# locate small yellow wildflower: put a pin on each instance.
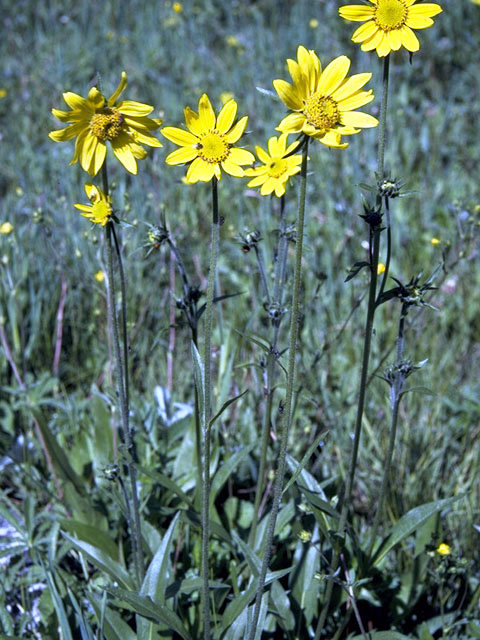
(313, 24)
(207, 145)
(3, 93)
(380, 268)
(323, 103)
(96, 121)
(6, 228)
(100, 276)
(435, 241)
(100, 210)
(389, 24)
(232, 41)
(476, 2)
(177, 7)
(278, 166)
(443, 549)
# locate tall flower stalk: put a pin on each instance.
(207, 146)
(287, 411)
(121, 374)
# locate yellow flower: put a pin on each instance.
(323, 103)
(232, 41)
(313, 24)
(278, 166)
(437, 240)
(6, 228)
(3, 93)
(100, 210)
(443, 549)
(381, 268)
(389, 24)
(177, 7)
(476, 1)
(100, 276)
(96, 121)
(208, 143)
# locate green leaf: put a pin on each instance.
(145, 607)
(199, 377)
(103, 561)
(166, 482)
(92, 535)
(114, 628)
(225, 471)
(156, 578)
(281, 603)
(261, 617)
(410, 523)
(59, 608)
(357, 267)
(384, 635)
(225, 406)
(301, 465)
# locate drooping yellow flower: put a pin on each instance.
(380, 268)
(100, 210)
(96, 121)
(443, 549)
(208, 143)
(324, 102)
(389, 24)
(278, 166)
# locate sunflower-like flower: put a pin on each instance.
(278, 166)
(389, 24)
(324, 102)
(96, 121)
(207, 145)
(100, 211)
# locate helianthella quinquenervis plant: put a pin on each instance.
(278, 164)
(323, 107)
(389, 25)
(207, 147)
(126, 125)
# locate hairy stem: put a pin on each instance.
(287, 412)
(208, 408)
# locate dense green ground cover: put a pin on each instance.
(50, 298)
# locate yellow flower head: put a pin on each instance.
(278, 166)
(476, 1)
(3, 93)
(100, 210)
(6, 228)
(389, 24)
(323, 102)
(381, 268)
(443, 549)
(100, 276)
(96, 121)
(435, 241)
(207, 144)
(177, 7)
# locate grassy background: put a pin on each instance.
(171, 59)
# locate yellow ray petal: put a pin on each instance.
(181, 156)
(333, 74)
(365, 31)
(351, 85)
(356, 100)
(179, 136)
(122, 151)
(356, 13)
(132, 108)
(358, 119)
(200, 170)
(116, 94)
(236, 132)
(241, 156)
(206, 113)
(409, 39)
(288, 95)
(233, 169)
(226, 116)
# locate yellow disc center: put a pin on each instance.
(107, 124)
(390, 14)
(213, 147)
(276, 167)
(322, 112)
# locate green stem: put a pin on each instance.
(121, 377)
(374, 253)
(208, 408)
(270, 371)
(395, 396)
(287, 412)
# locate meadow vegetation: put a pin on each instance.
(67, 555)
